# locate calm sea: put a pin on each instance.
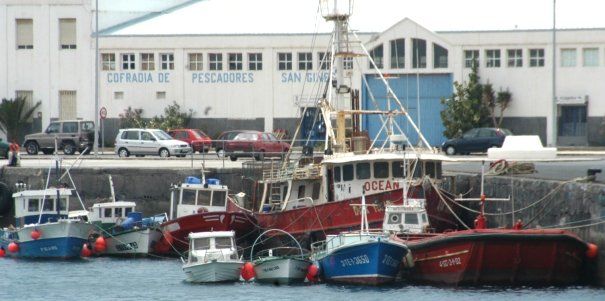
(162, 279)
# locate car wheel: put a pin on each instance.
(233, 158)
(69, 148)
(164, 153)
(123, 153)
(220, 153)
(31, 148)
(450, 150)
(260, 156)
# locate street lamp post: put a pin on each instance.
(554, 73)
(96, 113)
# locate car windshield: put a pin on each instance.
(161, 135)
(199, 134)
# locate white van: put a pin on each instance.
(141, 142)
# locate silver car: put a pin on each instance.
(141, 142)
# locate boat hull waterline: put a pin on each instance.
(281, 270)
(214, 271)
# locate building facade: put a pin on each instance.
(265, 80)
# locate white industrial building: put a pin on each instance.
(248, 76)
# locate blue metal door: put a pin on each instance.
(411, 89)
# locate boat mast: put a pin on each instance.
(58, 201)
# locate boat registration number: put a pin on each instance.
(390, 261)
(450, 262)
(356, 260)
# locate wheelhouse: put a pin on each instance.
(111, 212)
(41, 206)
(209, 246)
(196, 196)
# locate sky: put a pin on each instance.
(298, 16)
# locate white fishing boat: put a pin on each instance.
(280, 265)
(213, 257)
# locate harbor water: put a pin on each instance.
(163, 279)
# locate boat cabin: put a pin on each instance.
(196, 196)
(111, 212)
(212, 246)
(409, 218)
(32, 206)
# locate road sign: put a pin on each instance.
(103, 113)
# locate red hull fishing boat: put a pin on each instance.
(202, 207)
(312, 196)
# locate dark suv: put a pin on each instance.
(475, 140)
(72, 136)
(249, 144)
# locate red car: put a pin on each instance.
(198, 140)
(249, 144)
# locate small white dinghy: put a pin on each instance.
(212, 257)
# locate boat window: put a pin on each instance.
(33, 205)
(336, 173)
(49, 205)
(222, 242)
(127, 210)
(438, 170)
(201, 244)
(411, 218)
(316, 187)
(301, 191)
(397, 169)
(429, 169)
(381, 170)
(107, 212)
(424, 218)
(347, 172)
(363, 171)
(417, 168)
(203, 197)
(62, 204)
(188, 197)
(218, 198)
(119, 212)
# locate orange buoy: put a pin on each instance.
(313, 273)
(86, 251)
(100, 245)
(592, 251)
(13, 247)
(35, 234)
(248, 271)
(2, 252)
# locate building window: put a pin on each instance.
(128, 61)
(398, 54)
(590, 57)
(67, 105)
(305, 61)
(108, 61)
(29, 98)
(117, 95)
(284, 61)
(147, 61)
(25, 33)
(514, 57)
(215, 61)
(471, 57)
(439, 56)
(255, 61)
(67, 33)
(492, 58)
(377, 54)
(324, 60)
(160, 95)
(167, 61)
(418, 53)
(196, 61)
(235, 61)
(347, 63)
(568, 57)
(536, 57)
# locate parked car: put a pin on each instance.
(255, 144)
(141, 142)
(198, 140)
(72, 136)
(476, 140)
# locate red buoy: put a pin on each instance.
(592, 251)
(100, 245)
(13, 247)
(86, 251)
(248, 271)
(35, 234)
(313, 273)
(2, 252)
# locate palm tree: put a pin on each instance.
(14, 115)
